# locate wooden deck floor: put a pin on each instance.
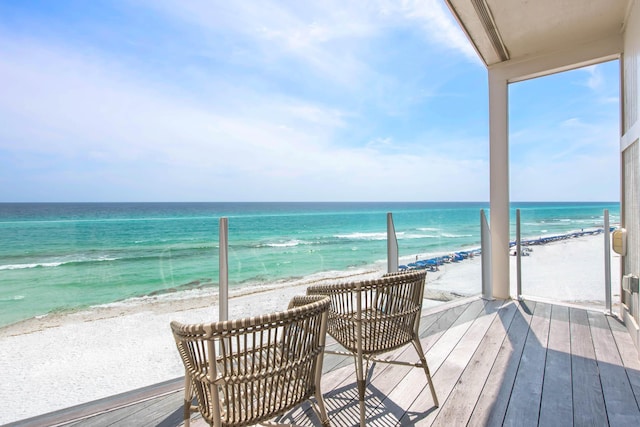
(493, 363)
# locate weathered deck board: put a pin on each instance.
(448, 373)
(629, 356)
(341, 400)
(406, 391)
(493, 363)
(141, 410)
(492, 403)
(125, 405)
(556, 407)
(462, 399)
(524, 404)
(588, 401)
(384, 379)
(618, 395)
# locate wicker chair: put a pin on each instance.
(250, 370)
(372, 317)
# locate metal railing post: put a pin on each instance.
(607, 262)
(224, 269)
(392, 245)
(518, 256)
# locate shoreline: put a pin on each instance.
(210, 292)
(173, 302)
(85, 350)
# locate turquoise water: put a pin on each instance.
(56, 257)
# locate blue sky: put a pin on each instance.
(167, 100)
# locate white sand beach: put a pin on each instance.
(79, 357)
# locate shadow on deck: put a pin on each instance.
(493, 363)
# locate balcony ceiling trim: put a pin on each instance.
(516, 30)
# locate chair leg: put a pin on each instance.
(187, 400)
(362, 385)
(423, 361)
(322, 410)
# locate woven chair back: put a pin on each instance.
(388, 308)
(250, 370)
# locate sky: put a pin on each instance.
(207, 100)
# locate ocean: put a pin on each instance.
(67, 256)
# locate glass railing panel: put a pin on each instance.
(64, 257)
(132, 268)
(60, 257)
(563, 252)
(301, 244)
(445, 240)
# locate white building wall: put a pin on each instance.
(631, 70)
(630, 152)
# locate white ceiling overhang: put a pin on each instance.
(508, 31)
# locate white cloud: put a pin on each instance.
(439, 26)
(595, 79)
(564, 179)
(323, 36)
(332, 37)
(88, 128)
(84, 124)
(568, 160)
(218, 114)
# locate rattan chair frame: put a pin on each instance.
(371, 317)
(247, 371)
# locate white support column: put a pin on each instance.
(499, 183)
